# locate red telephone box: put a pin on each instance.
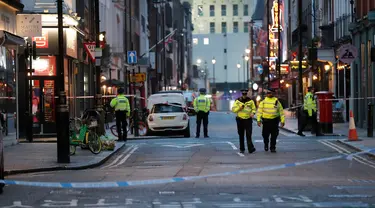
(324, 114)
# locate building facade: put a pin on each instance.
(221, 33)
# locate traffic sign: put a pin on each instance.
(260, 69)
(347, 53)
(132, 57)
(138, 77)
(90, 49)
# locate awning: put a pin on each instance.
(10, 40)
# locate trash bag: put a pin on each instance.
(108, 142)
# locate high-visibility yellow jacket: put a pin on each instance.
(270, 108)
(202, 103)
(309, 103)
(248, 110)
(121, 103)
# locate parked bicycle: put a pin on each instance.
(142, 127)
(82, 133)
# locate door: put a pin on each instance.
(43, 107)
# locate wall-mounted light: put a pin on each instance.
(315, 77)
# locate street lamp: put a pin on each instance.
(199, 61)
(213, 70)
(238, 67)
(247, 50)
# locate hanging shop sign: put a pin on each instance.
(276, 17)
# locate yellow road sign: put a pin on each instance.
(138, 77)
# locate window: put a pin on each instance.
(245, 27)
(195, 41)
(164, 108)
(225, 50)
(223, 27)
(206, 41)
(235, 27)
(225, 66)
(212, 10)
(235, 10)
(245, 10)
(212, 27)
(223, 10)
(200, 10)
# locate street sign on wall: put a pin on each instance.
(347, 53)
(138, 77)
(132, 57)
(90, 49)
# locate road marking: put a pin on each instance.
(126, 157)
(351, 196)
(237, 199)
(261, 141)
(361, 181)
(117, 158)
(354, 187)
(232, 145)
(17, 204)
(240, 154)
(183, 146)
(166, 192)
(341, 204)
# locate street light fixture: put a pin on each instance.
(247, 50)
(238, 67)
(199, 61)
(213, 60)
(213, 69)
(247, 58)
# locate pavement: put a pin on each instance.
(208, 172)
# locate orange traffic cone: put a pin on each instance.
(353, 136)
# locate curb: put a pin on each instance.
(59, 168)
(356, 148)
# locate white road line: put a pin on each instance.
(232, 145)
(117, 158)
(240, 154)
(330, 146)
(126, 157)
(351, 196)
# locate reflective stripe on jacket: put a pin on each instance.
(202, 103)
(121, 103)
(247, 111)
(270, 108)
(309, 103)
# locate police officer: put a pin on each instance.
(270, 113)
(202, 106)
(122, 110)
(309, 111)
(245, 109)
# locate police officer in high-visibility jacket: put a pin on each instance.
(309, 111)
(202, 106)
(245, 109)
(270, 113)
(122, 110)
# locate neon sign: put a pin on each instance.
(276, 16)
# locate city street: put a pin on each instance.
(268, 179)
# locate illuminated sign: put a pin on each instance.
(42, 42)
(276, 17)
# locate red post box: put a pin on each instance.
(324, 114)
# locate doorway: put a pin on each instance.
(43, 107)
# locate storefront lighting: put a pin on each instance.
(327, 67)
(230, 91)
(104, 86)
(103, 78)
(287, 85)
(282, 81)
(315, 77)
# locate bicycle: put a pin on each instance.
(142, 128)
(86, 136)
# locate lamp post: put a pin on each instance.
(213, 70)
(239, 67)
(250, 51)
(247, 68)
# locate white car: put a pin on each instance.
(168, 117)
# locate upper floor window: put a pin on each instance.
(235, 27)
(200, 10)
(212, 10)
(235, 10)
(223, 10)
(212, 27)
(245, 10)
(223, 27)
(245, 27)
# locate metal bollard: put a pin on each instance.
(370, 120)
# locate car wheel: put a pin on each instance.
(187, 131)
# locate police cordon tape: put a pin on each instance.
(117, 184)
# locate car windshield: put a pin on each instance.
(167, 108)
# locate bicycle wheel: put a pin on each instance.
(72, 150)
(114, 130)
(94, 143)
(142, 129)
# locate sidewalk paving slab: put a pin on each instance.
(41, 157)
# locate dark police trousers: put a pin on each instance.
(270, 127)
(121, 124)
(245, 126)
(309, 119)
(202, 116)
